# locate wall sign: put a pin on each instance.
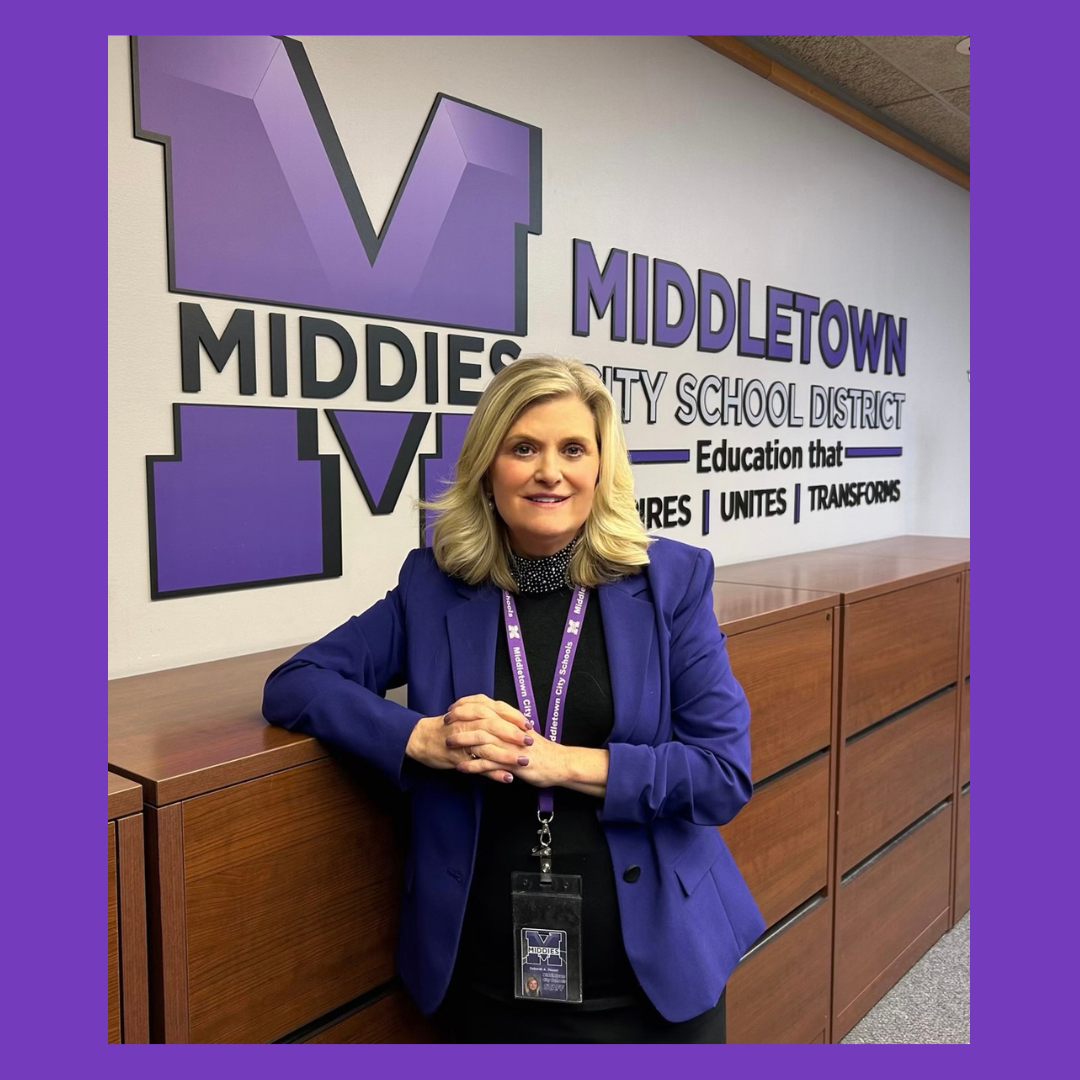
(262, 207)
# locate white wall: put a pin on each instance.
(654, 145)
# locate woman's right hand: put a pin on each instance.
(476, 735)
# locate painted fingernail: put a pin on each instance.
(508, 778)
(446, 719)
(523, 761)
(450, 742)
(529, 724)
(528, 740)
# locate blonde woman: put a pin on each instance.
(572, 739)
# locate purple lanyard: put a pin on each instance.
(519, 664)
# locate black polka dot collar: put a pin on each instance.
(544, 574)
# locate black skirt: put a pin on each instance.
(468, 1016)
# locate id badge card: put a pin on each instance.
(547, 936)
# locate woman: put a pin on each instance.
(631, 753)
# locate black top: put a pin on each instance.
(508, 822)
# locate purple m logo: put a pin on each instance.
(263, 205)
(544, 947)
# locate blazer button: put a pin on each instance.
(631, 874)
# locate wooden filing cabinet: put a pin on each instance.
(273, 873)
(128, 996)
(782, 646)
(900, 605)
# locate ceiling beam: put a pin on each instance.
(769, 69)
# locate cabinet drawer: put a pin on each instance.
(786, 670)
(291, 886)
(898, 648)
(780, 839)
(780, 992)
(888, 913)
(967, 624)
(893, 775)
(965, 734)
(392, 1019)
(962, 902)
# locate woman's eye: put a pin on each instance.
(574, 450)
(522, 450)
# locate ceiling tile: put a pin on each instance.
(930, 60)
(961, 98)
(851, 65)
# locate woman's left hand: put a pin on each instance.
(548, 764)
(555, 765)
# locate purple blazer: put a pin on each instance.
(679, 762)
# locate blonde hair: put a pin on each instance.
(469, 540)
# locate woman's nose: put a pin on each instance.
(547, 468)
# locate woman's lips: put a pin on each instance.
(546, 500)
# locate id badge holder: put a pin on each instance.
(547, 936)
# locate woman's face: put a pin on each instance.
(544, 475)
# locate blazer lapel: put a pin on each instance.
(471, 627)
(630, 636)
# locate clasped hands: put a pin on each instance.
(485, 737)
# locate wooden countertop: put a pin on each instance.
(949, 548)
(190, 730)
(125, 796)
(740, 607)
(854, 576)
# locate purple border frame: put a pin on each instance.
(1018, 190)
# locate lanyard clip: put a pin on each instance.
(543, 849)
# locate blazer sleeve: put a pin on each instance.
(333, 689)
(703, 774)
